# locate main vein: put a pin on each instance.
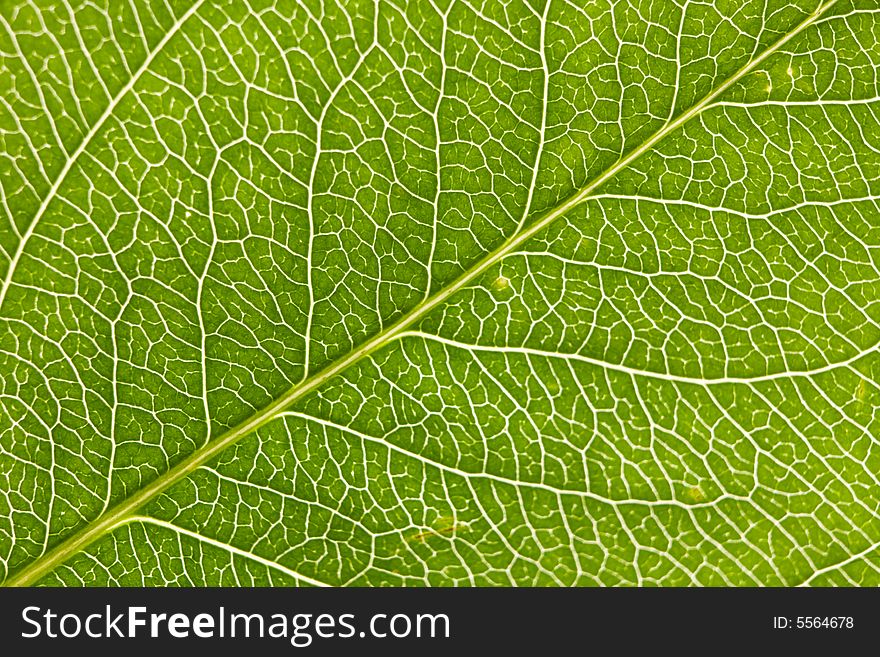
(122, 512)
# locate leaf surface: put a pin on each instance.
(439, 292)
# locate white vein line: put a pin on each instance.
(633, 371)
(514, 483)
(820, 103)
(438, 144)
(719, 209)
(542, 130)
(108, 111)
(223, 546)
(840, 564)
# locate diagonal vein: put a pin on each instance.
(84, 144)
(231, 549)
(123, 511)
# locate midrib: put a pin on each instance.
(126, 508)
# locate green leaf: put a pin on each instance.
(440, 292)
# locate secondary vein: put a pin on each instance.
(83, 145)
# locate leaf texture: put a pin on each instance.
(440, 292)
